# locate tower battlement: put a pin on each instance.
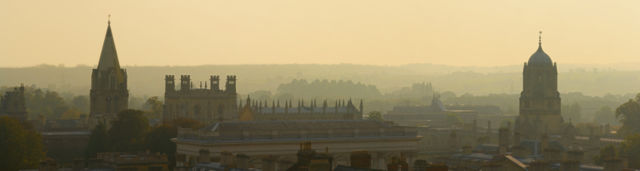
(204, 101)
(203, 87)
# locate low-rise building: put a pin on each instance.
(276, 142)
(127, 161)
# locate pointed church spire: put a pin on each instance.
(108, 56)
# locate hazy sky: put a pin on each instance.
(380, 32)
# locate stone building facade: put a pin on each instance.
(109, 94)
(205, 104)
(12, 104)
(540, 99)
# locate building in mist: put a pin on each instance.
(209, 103)
(109, 93)
(434, 115)
(510, 151)
(12, 104)
(206, 104)
(540, 99)
(276, 142)
(261, 110)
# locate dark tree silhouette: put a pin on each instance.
(20, 145)
(98, 141)
(629, 115)
(159, 138)
(128, 131)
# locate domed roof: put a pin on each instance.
(539, 57)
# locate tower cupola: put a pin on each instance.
(540, 57)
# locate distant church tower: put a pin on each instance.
(109, 94)
(540, 99)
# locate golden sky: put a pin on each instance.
(379, 32)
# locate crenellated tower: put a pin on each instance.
(231, 84)
(215, 83)
(204, 103)
(169, 83)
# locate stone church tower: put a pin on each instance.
(109, 94)
(540, 99)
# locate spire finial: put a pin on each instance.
(109, 19)
(540, 38)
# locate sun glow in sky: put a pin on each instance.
(378, 32)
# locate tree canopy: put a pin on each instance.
(631, 150)
(605, 115)
(20, 145)
(153, 107)
(127, 132)
(629, 115)
(130, 132)
(98, 141)
(375, 115)
(159, 138)
(606, 153)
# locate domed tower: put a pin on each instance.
(540, 99)
(109, 93)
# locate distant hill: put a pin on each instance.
(149, 80)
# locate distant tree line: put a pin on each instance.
(577, 107)
(326, 88)
(52, 105)
(628, 114)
